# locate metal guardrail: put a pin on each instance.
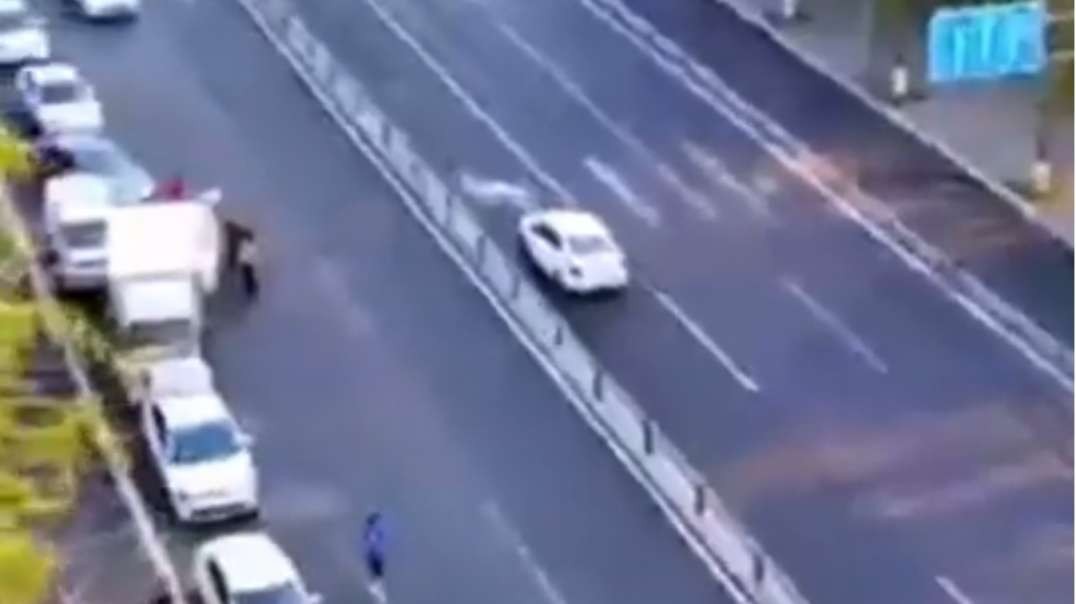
(637, 440)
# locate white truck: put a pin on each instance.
(163, 260)
(76, 213)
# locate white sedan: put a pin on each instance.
(574, 249)
(22, 34)
(108, 9)
(202, 457)
(247, 568)
(57, 99)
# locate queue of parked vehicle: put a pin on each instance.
(107, 227)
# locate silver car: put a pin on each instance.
(22, 34)
(97, 156)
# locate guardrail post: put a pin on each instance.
(598, 386)
(516, 285)
(386, 135)
(450, 201)
(480, 251)
(700, 499)
(648, 436)
(558, 334)
(758, 569)
(899, 79)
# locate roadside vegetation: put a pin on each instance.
(49, 438)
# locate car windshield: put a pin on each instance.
(99, 158)
(84, 234)
(175, 334)
(281, 594)
(13, 21)
(589, 244)
(61, 92)
(204, 442)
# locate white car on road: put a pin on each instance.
(247, 568)
(22, 34)
(202, 457)
(575, 249)
(57, 99)
(108, 9)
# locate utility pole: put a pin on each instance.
(1059, 44)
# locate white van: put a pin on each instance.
(163, 259)
(76, 213)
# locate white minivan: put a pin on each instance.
(77, 207)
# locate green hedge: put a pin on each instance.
(26, 570)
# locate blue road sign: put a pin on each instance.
(986, 42)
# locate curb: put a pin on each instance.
(897, 118)
(148, 538)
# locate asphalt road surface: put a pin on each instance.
(371, 374)
(882, 444)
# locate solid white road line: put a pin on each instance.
(693, 198)
(833, 322)
(504, 528)
(950, 588)
(468, 101)
(746, 381)
(606, 175)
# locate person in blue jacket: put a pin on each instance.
(373, 543)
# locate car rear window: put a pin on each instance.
(84, 234)
(61, 92)
(590, 244)
(12, 21)
(99, 159)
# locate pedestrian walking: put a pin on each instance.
(248, 259)
(373, 545)
(234, 232)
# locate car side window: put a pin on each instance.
(547, 234)
(220, 586)
(26, 84)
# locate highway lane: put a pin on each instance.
(370, 373)
(869, 377)
(958, 214)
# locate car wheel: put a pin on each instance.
(168, 507)
(558, 278)
(527, 260)
(253, 515)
